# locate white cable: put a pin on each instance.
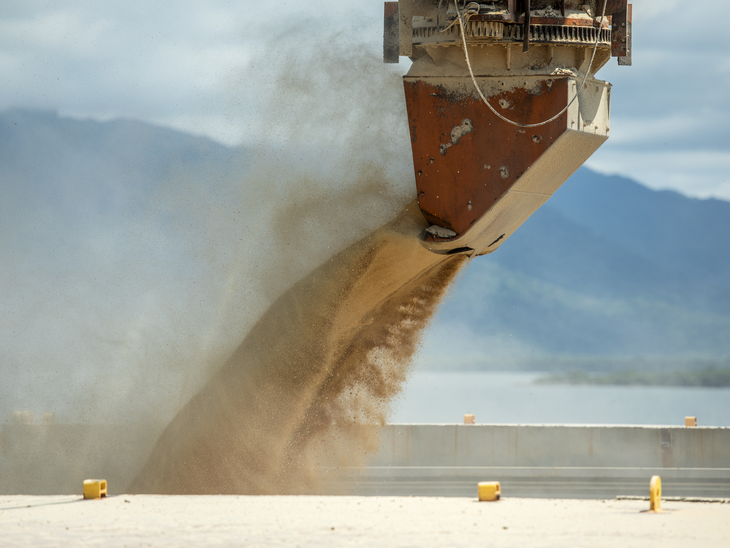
(473, 79)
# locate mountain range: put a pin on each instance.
(608, 274)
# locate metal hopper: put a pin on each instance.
(503, 105)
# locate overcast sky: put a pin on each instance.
(198, 66)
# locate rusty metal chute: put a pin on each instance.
(503, 105)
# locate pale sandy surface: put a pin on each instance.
(148, 520)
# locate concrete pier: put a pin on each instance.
(581, 461)
(563, 461)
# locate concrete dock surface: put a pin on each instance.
(152, 520)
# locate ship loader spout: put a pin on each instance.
(503, 106)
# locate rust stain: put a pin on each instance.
(454, 188)
(620, 20)
(391, 8)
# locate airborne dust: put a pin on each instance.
(303, 245)
(302, 395)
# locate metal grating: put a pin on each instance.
(425, 32)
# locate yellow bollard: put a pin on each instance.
(655, 494)
(690, 421)
(470, 419)
(489, 490)
(94, 488)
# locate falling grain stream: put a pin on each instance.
(303, 394)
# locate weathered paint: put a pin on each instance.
(479, 177)
(619, 32)
(391, 39)
(451, 177)
(627, 59)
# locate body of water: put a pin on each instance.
(512, 398)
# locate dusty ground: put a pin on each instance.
(152, 520)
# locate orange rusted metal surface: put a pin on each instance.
(466, 158)
(391, 8)
(480, 173)
(619, 12)
(621, 32)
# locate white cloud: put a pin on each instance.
(699, 173)
(9, 63)
(637, 131)
(670, 110)
(724, 65)
(204, 67)
(153, 60)
(649, 10)
(73, 33)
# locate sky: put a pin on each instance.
(203, 67)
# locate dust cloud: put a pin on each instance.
(302, 243)
(301, 395)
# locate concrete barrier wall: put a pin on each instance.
(417, 459)
(559, 445)
(548, 460)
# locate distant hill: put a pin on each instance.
(607, 274)
(42, 150)
(110, 269)
(680, 234)
(65, 182)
